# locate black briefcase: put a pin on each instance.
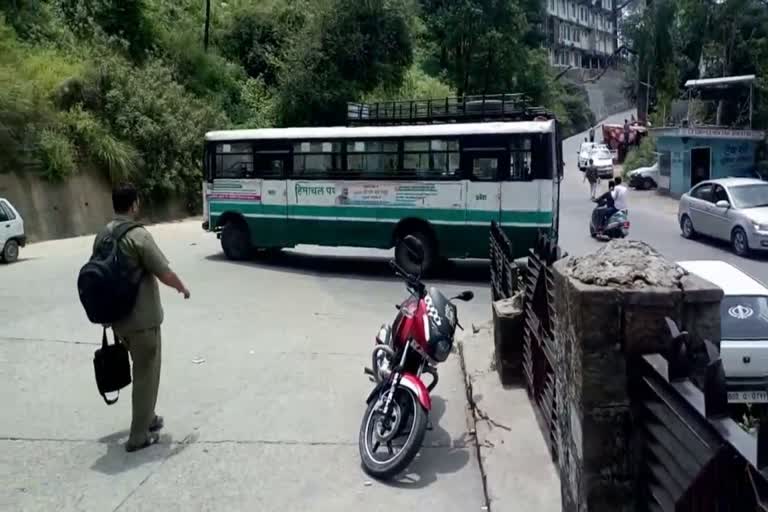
(112, 367)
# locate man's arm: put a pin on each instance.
(169, 278)
(155, 262)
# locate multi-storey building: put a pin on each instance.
(580, 33)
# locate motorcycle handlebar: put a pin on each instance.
(409, 278)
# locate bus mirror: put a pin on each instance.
(415, 249)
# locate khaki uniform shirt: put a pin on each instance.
(141, 250)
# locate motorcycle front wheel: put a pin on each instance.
(388, 443)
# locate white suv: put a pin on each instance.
(11, 232)
(743, 329)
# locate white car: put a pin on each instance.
(644, 178)
(743, 328)
(584, 151)
(11, 232)
(602, 159)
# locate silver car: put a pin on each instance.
(731, 209)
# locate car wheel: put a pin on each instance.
(647, 184)
(686, 226)
(740, 242)
(11, 251)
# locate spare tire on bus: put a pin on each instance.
(236, 240)
(403, 255)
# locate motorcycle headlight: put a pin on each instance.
(441, 349)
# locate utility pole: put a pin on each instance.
(207, 24)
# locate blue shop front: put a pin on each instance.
(690, 155)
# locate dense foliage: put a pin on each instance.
(126, 87)
(679, 40)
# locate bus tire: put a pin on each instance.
(402, 256)
(236, 241)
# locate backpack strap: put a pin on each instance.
(122, 229)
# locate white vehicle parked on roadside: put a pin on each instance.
(644, 178)
(11, 232)
(743, 327)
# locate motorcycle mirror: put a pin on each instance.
(465, 296)
(415, 249)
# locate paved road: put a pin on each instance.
(653, 220)
(268, 422)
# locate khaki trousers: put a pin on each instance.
(144, 347)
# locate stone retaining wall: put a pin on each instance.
(610, 306)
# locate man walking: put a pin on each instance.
(140, 330)
(591, 134)
(591, 176)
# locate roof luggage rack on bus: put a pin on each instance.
(465, 109)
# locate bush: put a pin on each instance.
(641, 156)
(165, 123)
(57, 154)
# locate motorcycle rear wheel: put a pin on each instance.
(408, 419)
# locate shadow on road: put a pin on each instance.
(440, 454)
(359, 267)
(717, 243)
(116, 460)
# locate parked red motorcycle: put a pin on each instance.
(421, 336)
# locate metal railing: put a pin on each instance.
(505, 275)
(692, 456)
(539, 343)
(496, 107)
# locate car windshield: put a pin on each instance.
(601, 154)
(750, 196)
(744, 317)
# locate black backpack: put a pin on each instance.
(108, 283)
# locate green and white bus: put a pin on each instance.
(371, 186)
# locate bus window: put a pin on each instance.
(432, 159)
(372, 159)
(520, 159)
(209, 152)
(542, 157)
(316, 159)
(485, 167)
(234, 160)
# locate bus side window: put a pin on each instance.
(542, 158)
(520, 156)
(234, 160)
(319, 160)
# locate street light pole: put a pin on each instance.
(207, 24)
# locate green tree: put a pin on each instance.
(347, 50)
(480, 42)
(256, 36)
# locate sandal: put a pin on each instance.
(152, 438)
(157, 424)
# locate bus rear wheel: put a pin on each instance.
(236, 241)
(403, 256)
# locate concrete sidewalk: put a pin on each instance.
(517, 469)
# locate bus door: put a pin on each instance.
(271, 164)
(484, 161)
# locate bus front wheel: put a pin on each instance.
(236, 241)
(403, 256)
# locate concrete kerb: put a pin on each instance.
(517, 470)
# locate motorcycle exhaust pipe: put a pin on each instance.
(378, 374)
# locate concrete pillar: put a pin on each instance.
(609, 306)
